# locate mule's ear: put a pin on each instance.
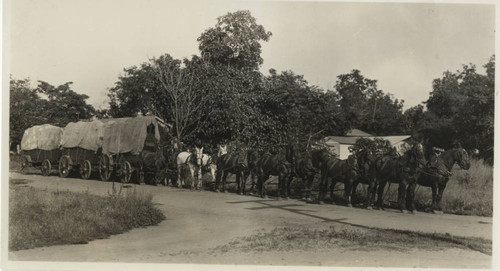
(201, 149)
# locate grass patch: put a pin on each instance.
(15, 161)
(13, 182)
(351, 237)
(44, 218)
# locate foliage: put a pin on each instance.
(231, 106)
(43, 218)
(302, 111)
(132, 92)
(64, 105)
(460, 108)
(266, 113)
(26, 110)
(44, 104)
(166, 87)
(234, 41)
(367, 107)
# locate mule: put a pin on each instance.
(205, 163)
(252, 159)
(403, 170)
(187, 159)
(436, 174)
(364, 161)
(344, 171)
(303, 168)
(276, 165)
(221, 150)
(235, 163)
(319, 157)
(195, 161)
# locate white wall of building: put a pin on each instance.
(344, 151)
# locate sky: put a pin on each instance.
(404, 46)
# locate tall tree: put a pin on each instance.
(234, 41)
(166, 87)
(26, 110)
(301, 111)
(463, 104)
(64, 105)
(366, 107)
(46, 104)
(181, 88)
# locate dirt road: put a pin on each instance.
(198, 221)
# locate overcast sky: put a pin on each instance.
(403, 46)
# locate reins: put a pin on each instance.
(422, 171)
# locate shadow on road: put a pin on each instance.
(287, 207)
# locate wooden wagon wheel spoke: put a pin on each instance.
(105, 167)
(46, 167)
(64, 166)
(126, 172)
(86, 169)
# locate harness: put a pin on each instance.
(237, 164)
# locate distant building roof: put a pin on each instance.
(395, 139)
(357, 133)
(350, 140)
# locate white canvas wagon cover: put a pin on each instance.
(124, 135)
(44, 137)
(83, 134)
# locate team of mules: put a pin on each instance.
(366, 166)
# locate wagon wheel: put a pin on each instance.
(64, 166)
(126, 172)
(46, 167)
(24, 164)
(86, 169)
(105, 167)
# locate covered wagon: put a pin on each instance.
(81, 147)
(130, 149)
(40, 147)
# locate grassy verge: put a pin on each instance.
(351, 237)
(44, 218)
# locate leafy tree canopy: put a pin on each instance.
(368, 108)
(234, 41)
(461, 109)
(59, 106)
